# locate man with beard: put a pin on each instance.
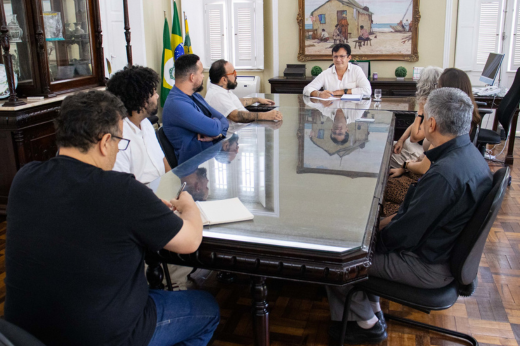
(136, 86)
(223, 78)
(190, 123)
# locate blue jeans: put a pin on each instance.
(186, 318)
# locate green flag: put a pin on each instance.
(177, 46)
(167, 68)
(187, 40)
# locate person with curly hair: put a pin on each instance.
(136, 86)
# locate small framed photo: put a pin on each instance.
(365, 66)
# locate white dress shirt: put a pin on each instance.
(352, 110)
(144, 157)
(354, 79)
(224, 101)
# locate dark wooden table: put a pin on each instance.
(316, 203)
(388, 86)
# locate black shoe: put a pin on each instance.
(381, 317)
(356, 335)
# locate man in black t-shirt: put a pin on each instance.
(76, 239)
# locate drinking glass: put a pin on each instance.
(377, 94)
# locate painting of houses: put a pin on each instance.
(375, 29)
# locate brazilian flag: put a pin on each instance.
(167, 68)
(187, 40)
(177, 45)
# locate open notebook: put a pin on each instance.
(223, 211)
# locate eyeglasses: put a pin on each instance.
(123, 143)
(339, 57)
(234, 73)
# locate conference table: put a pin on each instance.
(315, 200)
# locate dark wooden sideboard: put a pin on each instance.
(388, 86)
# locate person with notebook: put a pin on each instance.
(190, 123)
(341, 78)
(136, 86)
(223, 80)
(81, 230)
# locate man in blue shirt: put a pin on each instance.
(190, 124)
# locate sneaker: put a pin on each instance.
(381, 317)
(356, 335)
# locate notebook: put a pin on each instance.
(223, 211)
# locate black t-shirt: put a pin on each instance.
(76, 239)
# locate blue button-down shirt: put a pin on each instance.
(436, 210)
(183, 120)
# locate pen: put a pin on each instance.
(180, 190)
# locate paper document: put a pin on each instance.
(223, 211)
(329, 99)
(350, 97)
(366, 120)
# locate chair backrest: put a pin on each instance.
(466, 254)
(154, 119)
(509, 104)
(167, 148)
(11, 335)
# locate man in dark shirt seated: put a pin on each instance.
(189, 122)
(76, 239)
(414, 245)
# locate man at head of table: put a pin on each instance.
(342, 78)
(190, 123)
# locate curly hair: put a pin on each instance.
(85, 117)
(134, 85)
(427, 83)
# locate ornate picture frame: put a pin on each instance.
(324, 23)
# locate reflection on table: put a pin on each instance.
(262, 166)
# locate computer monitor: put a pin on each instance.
(491, 69)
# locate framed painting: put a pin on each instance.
(374, 29)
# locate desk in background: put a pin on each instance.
(316, 203)
(388, 86)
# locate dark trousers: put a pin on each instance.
(403, 267)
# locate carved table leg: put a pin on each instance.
(260, 313)
(154, 273)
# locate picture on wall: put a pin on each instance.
(374, 29)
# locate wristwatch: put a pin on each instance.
(345, 91)
(404, 166)
(422, 117)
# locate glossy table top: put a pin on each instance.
(305, 190)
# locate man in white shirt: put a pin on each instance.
(223, 79)
(342, 78)
(136, 87)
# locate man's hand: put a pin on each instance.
(185, 201)
(204, 138)
(325, 94)
(396, 172)
(265, 101)
(168, 204)
(398, 147)
(273, 125)
(273, 115)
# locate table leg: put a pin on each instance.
(260, 313)
(509, 157)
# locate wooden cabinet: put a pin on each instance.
(50, 48)
(53, 46)
(388, 86)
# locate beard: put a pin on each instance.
(199, 88)
(230, 85)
